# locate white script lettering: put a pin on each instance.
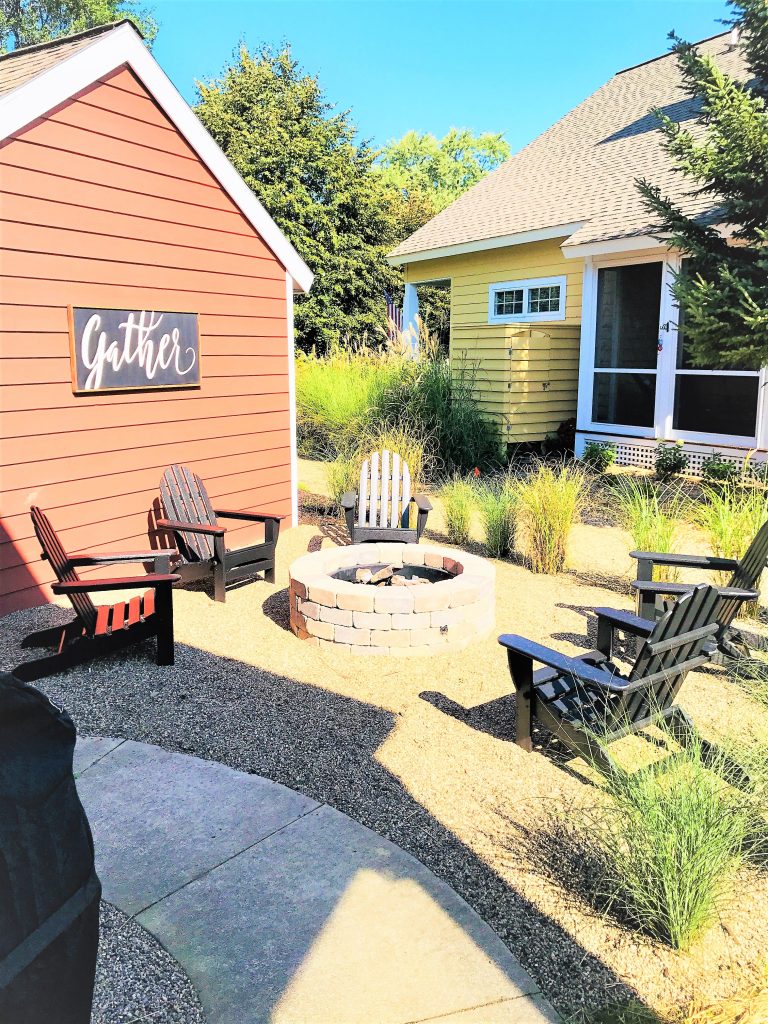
(137, 345)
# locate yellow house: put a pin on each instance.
(560, 293)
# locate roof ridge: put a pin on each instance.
(670, 53)
(60, 40)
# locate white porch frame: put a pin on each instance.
(665, 370)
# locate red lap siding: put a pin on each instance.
(103, 203)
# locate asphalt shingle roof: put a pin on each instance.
(19, 66)
(582, 169)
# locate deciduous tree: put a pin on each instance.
(25, 22)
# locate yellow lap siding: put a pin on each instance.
(525, 375)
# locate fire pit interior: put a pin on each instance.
(391, 598)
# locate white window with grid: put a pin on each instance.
(527, 301)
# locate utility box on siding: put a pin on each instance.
(145, 308)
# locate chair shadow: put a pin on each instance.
(607, 581)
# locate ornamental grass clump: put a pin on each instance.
(652, 516)
(549, 504)
(731, 515)
(496, 501)
(669, 842)
(458, 498)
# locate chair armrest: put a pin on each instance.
(676, 589)
(172, 524)
(422, 502)
(132, 556)
(348, 499)
(257, 517)
(151, 580)
(573, 666)
(710, 562)
(625, 621)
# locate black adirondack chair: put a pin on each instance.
(99, 628)
(383, 502)
(587, 702)
(194, 524)
(741, 587)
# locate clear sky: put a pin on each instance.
(513, 66)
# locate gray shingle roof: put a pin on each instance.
(582, 170)
(19, 66)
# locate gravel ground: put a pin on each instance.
(137, 980)
(420, 751)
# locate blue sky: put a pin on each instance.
(490, 65)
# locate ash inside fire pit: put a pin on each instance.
(382, 575)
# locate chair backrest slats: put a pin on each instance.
(384, 493)
(61, 565)
(747, 574)
(185, 499)
(677, 642)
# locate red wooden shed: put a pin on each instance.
(145, 308)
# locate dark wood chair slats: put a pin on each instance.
(742, 586)
(588, 701)
(97, 627)
(194, 523)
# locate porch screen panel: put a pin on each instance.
(626, 344)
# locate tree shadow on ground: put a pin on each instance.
(325, 746)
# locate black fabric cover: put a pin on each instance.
(49, 893)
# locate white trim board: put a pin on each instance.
(292, 401)
(124, 47)
(500, 242)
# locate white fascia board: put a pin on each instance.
(124, 46)
(638, 243)
(499, 242)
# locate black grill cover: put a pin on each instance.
(49, 892)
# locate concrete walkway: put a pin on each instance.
(282, 910)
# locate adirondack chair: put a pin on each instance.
(587, 702)
(98, 628)
(741, 587)
(200, 539)
(384, 502)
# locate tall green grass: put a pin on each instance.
(346, 393)
(666, 846)
(549, 502)
(731, 515)
(496, 502)
(458, 498)
(343, 473)
(653, 518)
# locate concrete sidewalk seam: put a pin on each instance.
(98, 760)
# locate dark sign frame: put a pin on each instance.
(177, 335)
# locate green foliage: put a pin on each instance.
(317, 182)
(598, 457)
(731, 515)
(652, 517)
(426, 174)
(717, 469)
(670, 841)
(458, 498)
(26, 22)
(751, 675)
(347, 394)
(549, 503)
(724, 156)
(670, 459)
(497, 500)
(341, 475)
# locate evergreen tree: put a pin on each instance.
(316, 181)
(724, 296)
(26, 22)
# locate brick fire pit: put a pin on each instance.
(444, 599)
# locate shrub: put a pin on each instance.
(652, 519)
(669, 841)
(549, 503)
(598, 457)
(458, 498)
(670, 460)
(718, 469)
(496, 501)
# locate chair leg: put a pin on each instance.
(164, 612)
(521, 670)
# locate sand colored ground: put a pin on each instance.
(422, 751)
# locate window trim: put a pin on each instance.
(526, 285)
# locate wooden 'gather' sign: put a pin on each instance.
(128, 349)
